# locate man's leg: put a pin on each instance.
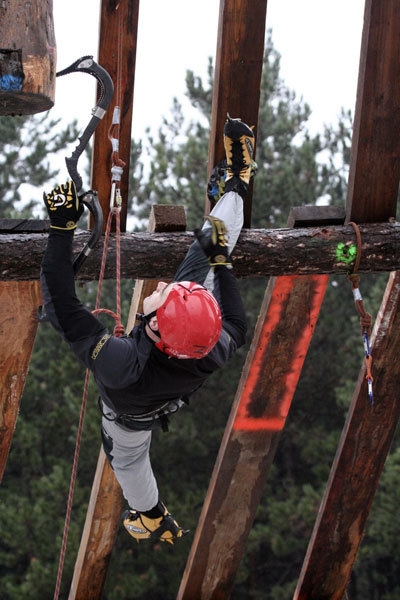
(128, 453)
(195, 266)
(239, 146)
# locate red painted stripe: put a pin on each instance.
(276, 415)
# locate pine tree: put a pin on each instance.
(28, 147)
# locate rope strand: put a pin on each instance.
(365, 317)
(118, 332)
(116, 174)
(72, 487)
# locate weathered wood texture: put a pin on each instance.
(99, 533)
(281, 339)
(117, 54)
(19, 302)
(237, 76)
(259, 252)
(375, 153)
(105, 506)
(372, 196)
(27, 57)
(361, 455)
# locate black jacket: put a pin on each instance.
(132, 375)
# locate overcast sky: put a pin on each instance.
(319, 42)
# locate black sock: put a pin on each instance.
(155, 512)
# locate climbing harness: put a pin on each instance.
(365, 318)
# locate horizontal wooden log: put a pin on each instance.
(259, 252)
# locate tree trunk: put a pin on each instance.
(259, 252)
(27, 57)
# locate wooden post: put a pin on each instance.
(270, 375)
(117, 54)
(19, 301)
(237, 79)
(27, 57)
(364, 445)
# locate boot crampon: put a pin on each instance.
(234, 172)
(163, 528)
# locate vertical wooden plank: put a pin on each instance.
(361, 455)
(117, 54)
(19, 301)
(99, 534)
(369, 429)
(238, 70)
(283, 333)
(375, 153)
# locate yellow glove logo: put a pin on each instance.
(58, 201)
(62, 196)
(63, 206)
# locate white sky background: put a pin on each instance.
(319, 42)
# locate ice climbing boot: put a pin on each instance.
(163, 528)
(239, 148)
(216, 182)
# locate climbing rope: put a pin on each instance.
(71, 488)
(118, 332)
(119, 328)
(365, 318)
(115, 207)
(118, 164)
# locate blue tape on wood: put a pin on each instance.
(10, 83)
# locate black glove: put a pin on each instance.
(63, 206)
(213, 240)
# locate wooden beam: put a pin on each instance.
(99, 534)
(104, 512)
(361, 455)
(117, 54)
(280, 344)
(375, 154)
(284, 330)
(237, 76)
(19, 302)
(259, 252)
(372, 196)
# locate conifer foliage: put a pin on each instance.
(294, 168)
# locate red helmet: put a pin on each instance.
(189, 321)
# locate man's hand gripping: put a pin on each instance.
(64, 206)
(214, 242)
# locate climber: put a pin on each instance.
(189, 328)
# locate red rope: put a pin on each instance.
(117, 169)
(365, 317)
(118, 332)
(72, 487)
(113, 134)
(114, 212)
